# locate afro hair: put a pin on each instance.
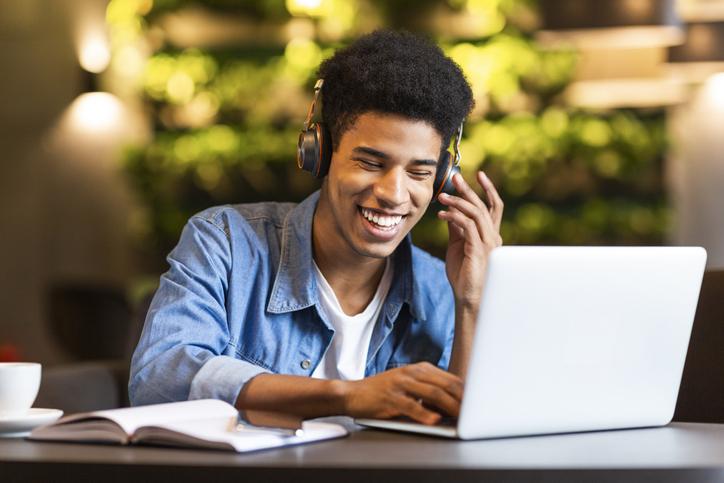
(394, 73)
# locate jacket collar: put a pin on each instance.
(295, 287)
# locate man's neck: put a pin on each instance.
(353, 277)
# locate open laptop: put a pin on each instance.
(576, 339)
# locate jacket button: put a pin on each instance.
(306, 364)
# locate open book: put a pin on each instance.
(203, 423)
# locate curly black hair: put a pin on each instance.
(394, 73)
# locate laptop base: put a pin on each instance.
(443, 431)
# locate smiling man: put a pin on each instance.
(326, 307)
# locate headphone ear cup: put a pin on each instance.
(446, 169)
(325, 149)
(307, 150)
(314, 151)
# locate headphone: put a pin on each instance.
(314, 151)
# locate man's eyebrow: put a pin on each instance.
(383, 155)
(371, 152)
(424, 162)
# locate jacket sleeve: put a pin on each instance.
(448, 329)
(444, 361)
(179, 354)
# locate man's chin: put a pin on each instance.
(367, 245)
(377, 250)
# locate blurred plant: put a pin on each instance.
(226, 117)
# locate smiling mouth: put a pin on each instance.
(381, 221)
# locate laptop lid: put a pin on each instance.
(580, 338)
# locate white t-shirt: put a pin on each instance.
(347, 354)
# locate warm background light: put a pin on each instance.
(620, 37)
(95, 112)
(94, 55)
(305, 7)
(90, 35)
(642, 93)
(714, 90)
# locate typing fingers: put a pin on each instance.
(435, 396)
(413, 408)
(430, 374)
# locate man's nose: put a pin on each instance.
(391, 188)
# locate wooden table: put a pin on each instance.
(680, 452)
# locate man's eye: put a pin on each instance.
(421, 174)
(369, 164)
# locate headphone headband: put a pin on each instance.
(456, 147)
(310, 114)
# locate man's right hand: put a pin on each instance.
(417, 391)
(410, 391)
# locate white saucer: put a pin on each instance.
(20, 426)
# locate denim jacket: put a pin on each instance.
(240, 299)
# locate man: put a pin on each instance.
(260, 297)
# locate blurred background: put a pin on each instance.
(600, 121)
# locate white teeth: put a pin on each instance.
(381, 220)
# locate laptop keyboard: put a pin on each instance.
(445, 421)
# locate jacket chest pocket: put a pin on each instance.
(414, 348)
(290, 343)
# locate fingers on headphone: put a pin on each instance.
(461, 205)
(487, 209)
(447, 215)
(472, 207)
(466, 192)
(494, 200)
(462, 224)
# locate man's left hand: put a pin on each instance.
(474, 232)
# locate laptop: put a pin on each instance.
(575, 339)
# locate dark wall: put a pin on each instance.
(63, 204)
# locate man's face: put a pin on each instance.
(379, 183)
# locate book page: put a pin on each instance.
(130, 419)
(86, 430)
(205, 423)
(225, 434)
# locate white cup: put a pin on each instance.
(19, 384)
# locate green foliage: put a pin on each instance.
(183, 172)
(226, 120)
(259, 10)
